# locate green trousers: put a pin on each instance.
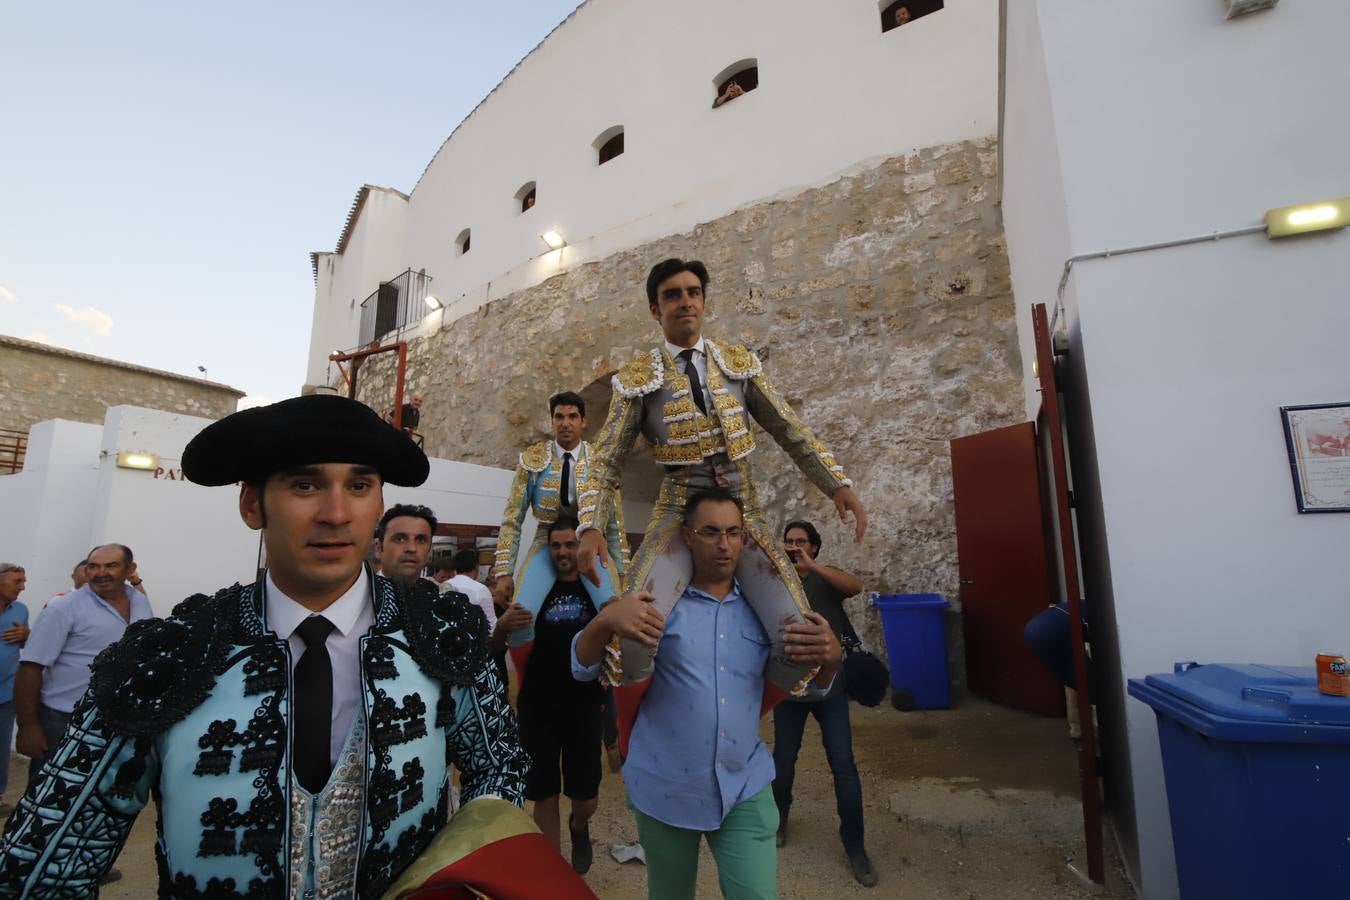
(744, 848)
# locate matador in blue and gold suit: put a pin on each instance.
(538, 488)
(198, 705)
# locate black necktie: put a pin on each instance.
(566, 482)
(312, 715)
(695, 383)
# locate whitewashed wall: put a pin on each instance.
(45, 526)
(834, 92)
(187, 538)
(1169, 121)
(345, 281)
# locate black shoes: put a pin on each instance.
(863, 873)
(581, 847)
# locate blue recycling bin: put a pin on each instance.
(916, 643)
(1257, 765)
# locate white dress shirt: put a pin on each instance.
(700, 362)
(478, 594)
(352, 616)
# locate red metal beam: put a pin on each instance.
(356, 357)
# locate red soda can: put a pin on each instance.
(1333, 675)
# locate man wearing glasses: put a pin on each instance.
(696, 767)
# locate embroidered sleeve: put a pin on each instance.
(783, 424)
(485, 742)
(612, 445)
(615, 538)
(72, 824)
(513, 516)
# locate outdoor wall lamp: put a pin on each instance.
(553, 239)
(1324, 215)
(128, 460)
(433, 303)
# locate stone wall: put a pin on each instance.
(39, 382)
(880, 303)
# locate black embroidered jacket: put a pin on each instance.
(194, 710)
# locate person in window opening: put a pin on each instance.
(529, 201)
(901, 15)
(729, 93)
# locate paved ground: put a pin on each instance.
(975, 803)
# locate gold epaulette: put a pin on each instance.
(640, 376)
(535, 457)
(737, 360)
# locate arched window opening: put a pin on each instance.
(525, 196)
(895, 13)
(736, 79)
(462, 241)
(609, 144)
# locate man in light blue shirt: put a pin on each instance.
(72, 630)
(696, 766)
(13, 632)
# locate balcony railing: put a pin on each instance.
(13, 447)
(396, 304)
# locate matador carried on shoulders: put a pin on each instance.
(551, 476)
(692, 399)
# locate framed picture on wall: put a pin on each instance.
(1318, 439)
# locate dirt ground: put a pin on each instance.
(974, 803)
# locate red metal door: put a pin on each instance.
(1005, 565)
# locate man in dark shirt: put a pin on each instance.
(560, 717)
(826, 588)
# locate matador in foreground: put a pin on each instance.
(692, 398)
(296, 733)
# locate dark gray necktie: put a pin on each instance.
(565, 491)
(695, 383)
(312, 710)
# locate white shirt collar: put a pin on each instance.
(284, 615)
(558, 451)
(675, 351)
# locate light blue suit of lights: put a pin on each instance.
(538, 487)
(196, 710)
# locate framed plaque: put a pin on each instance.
(1318, 438)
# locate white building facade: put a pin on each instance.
(834, 92)
(1133, 124)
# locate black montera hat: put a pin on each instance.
(254, 443)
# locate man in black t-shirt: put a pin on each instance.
(826, 588)
(561, 718)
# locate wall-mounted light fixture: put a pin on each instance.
(553, 239)
(129, 460)
(1324, 215)
(433, 303)
(1243, 7)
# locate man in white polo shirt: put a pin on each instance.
(72, 630)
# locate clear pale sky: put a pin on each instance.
(166, 168)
